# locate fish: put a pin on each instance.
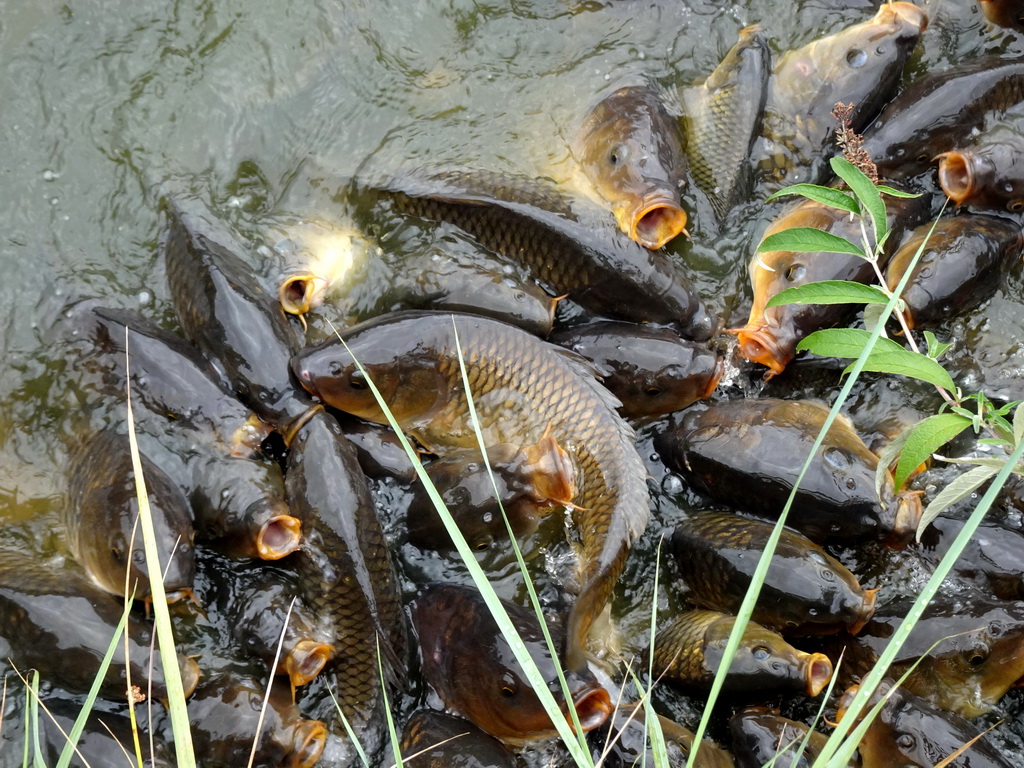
(470, 665)
(230, 317)
(624, 742)
(722, 118)
(760, 736)
(530, 481)
(435, 740)
(58, 622)
(344, 566)
(806, 590)
(989, 173)
(771, 334)
(1004, 13)
(912, 732)
(939, 111)
(630, 149)
(101, 520)
(651, 370)
(688, 652)
(965, 259)
(860, 65)
(531, 224)
(980, 656)
(225, 718)
(993, 558)
(523, 389)
(100, 743)
(731, 447)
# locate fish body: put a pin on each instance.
(60, 624)
(100, 743)
(722, 117)
(230, 317)
(344, 565)
(435, 740)
(993, 558)
(630, 149)
(227, 715)
(806, 590)
(748, 453)
(101, 519)
(760, 736)
(1005, 13)
(910, 731)
(522, 389)
(860, 65)
(963, 263)
(689, 652)
(469, 663)
(939, 112)
(987, 174)
(651, 370)
(379, 451)
(771, 334)
(533, 225)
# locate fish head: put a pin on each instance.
(630, 150)
(471, 666)
(412, 385)
(1004, 13)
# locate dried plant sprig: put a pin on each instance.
(852, 143)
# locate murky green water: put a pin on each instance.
(262, 107)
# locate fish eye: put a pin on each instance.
(117, 551)
(1016, 206)
(796, 272)
(856, 58)
(652, 390)
(827, 575)
(760, 653)
(905, 741)
(357, 381)
(976, 656)
(483, 544)
(509, 688)
(618, 154)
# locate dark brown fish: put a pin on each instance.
(1005, 13)
(469, 663)
(649, 369)
(771, 334)
(980, 656)
(103, 741)
(730, 447)
(860, 65)
(624, 742)
(963, 263)
(993, 558)
(224, 717)
(522, 389)
(630, 149)
(939, 112)
(57, 622)
(101, 518)
(344, 565)
(379, 450)
(532, 225)
(987, 174)
(913, 733)
(760, 736)
(806, 590)
(689, 652)
(722, 117)
(435, 740)
(230, 317)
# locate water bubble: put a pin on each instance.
(145, 298)
(54, 200)
(50, 176)
(672, 483)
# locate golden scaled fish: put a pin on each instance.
(1004, 13)
(630, 149)
(436, 740)
(522, 389)
(689, 652)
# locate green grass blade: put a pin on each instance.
(396, 749)
(270, 684)
(183, 750)
(349, 730)
(33, 710)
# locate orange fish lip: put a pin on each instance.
(758, 346)
(716, 377)
(190, 673)
(306, 660)
(818, 673)
(908, 13)
(656, 221)
(908, 516)
(300, 293)
(956, 175)
(279, 536)
(310, 740)
(593, 706)
(866, 612)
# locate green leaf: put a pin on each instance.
(896, 192)
(872, 316)
(808, 240)
(887, 457)
(886, 357)
(936, 348)
(925, 438)
(829, 196)
(1018, 424)
(829, 292)
(865, 191)
(977, 461)
(956, 491)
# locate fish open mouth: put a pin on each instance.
(818, 673)
(189, 671)
(956, 176)
(593, 706)
(758, 346)
(908, 516)
(310, 740)
(300, 293)
(306, 660)
(867, 610)
(657, 222)
(279, 536)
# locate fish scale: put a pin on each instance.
(549, 388)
